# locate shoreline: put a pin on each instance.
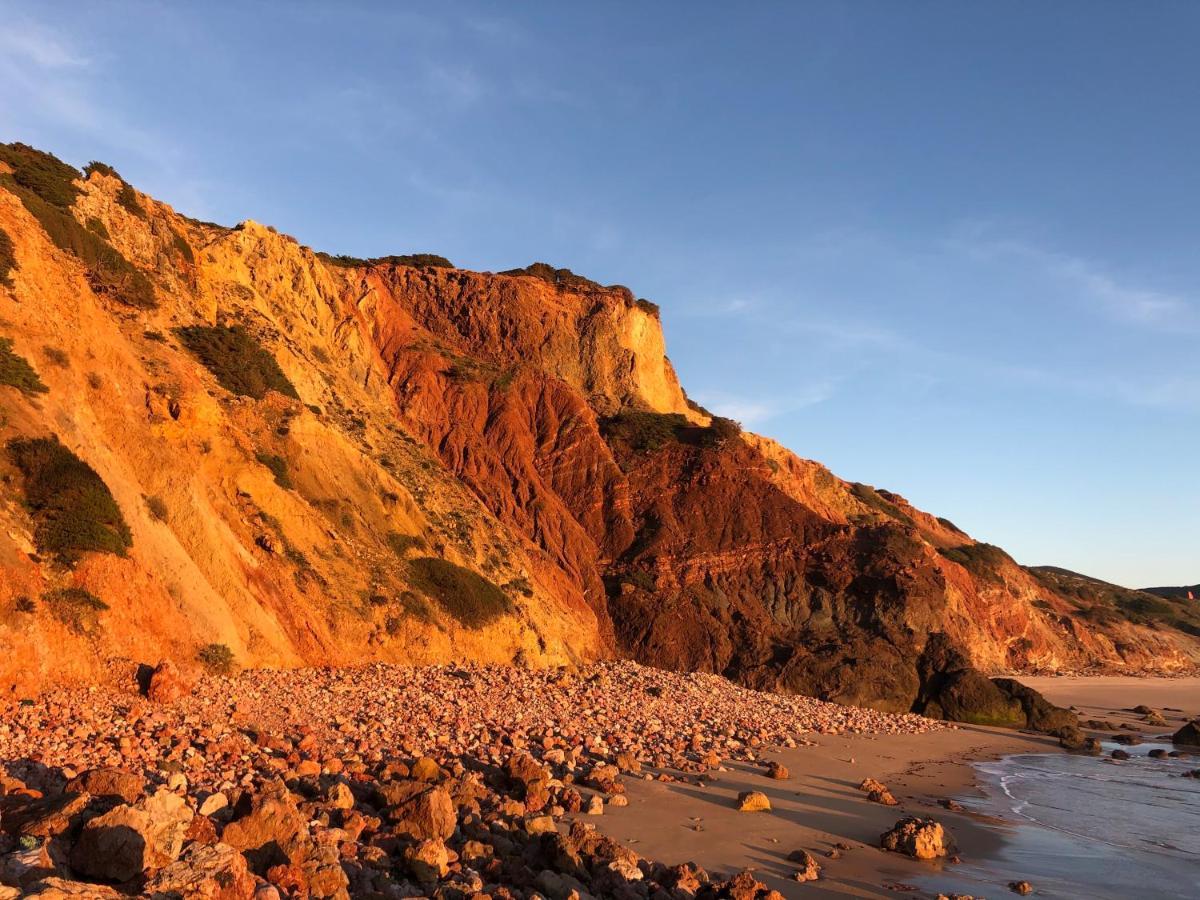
(820, 805)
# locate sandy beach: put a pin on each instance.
(820, 804)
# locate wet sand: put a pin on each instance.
(820, 805)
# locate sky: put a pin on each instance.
(945, 248)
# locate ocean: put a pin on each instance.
(1086, 826)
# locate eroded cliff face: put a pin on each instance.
(462, 473)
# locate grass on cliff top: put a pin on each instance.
(240, 364)
(16, 372)
(1104, 603)
(46, 186)
(981, 560)
(416, 260)
(644, 432)
(8, 258)
(74, 512)
(467, 596)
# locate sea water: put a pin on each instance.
(1086, 826)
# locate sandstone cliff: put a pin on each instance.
(320, 460)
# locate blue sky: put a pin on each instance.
(948, 249)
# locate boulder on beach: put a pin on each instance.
(915, 837)
(753, 801)
(1188, 735)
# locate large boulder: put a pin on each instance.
(167, 684)
(265, 826)
(204, 873)
(419, 810)
(128, 840)
(109, 783)
(953, 689)
(918, 838)
(1188, 735)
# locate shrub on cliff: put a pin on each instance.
(8, 258)
(467, 596)
(642, 431)
(240, 364)
(46, 187)
(279, 468)
(16, 372)
(416, 260)
(73, 510)
(216, 658)
(981, 560)
(76, 608)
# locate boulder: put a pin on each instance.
(915, 837)
(265, 826)
(204, 873)
(777, 771)
(45, 817)
(807, 867)
(167, 683)
(753, 801)
(1188, 735)
(426, 769)
(109, 783)
(419, 810)
(128, 840)
(64, 889)
(428, 860)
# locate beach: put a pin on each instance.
(820, 805)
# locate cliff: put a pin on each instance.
(221, 445)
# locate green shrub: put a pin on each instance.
(157, 507)
(402, 543)
(563, 278)
(216, 658)
(76, 608)
(16, 372)
(983, 560)
(103, 168)
(56, 357)
(642, 431)
(946, 523)
(649, 307)
(24, 604)
(416, 260)
(467, 596)
(241, 365)
(127, 200)
(880, 502)
(74, 511)
(46, 186)
(279, 468)
(96, 227)
(43, 174)
(8, 258)
(108, 272)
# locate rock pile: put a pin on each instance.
(381, 781)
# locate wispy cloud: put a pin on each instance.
(33, 44)
(752, 412)
(1118, 298)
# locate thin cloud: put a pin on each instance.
(752, 412)
(1118, 299)
(32, 44)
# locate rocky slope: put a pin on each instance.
(257, 454)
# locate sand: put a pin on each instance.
(1119, 693)
(820, 804)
